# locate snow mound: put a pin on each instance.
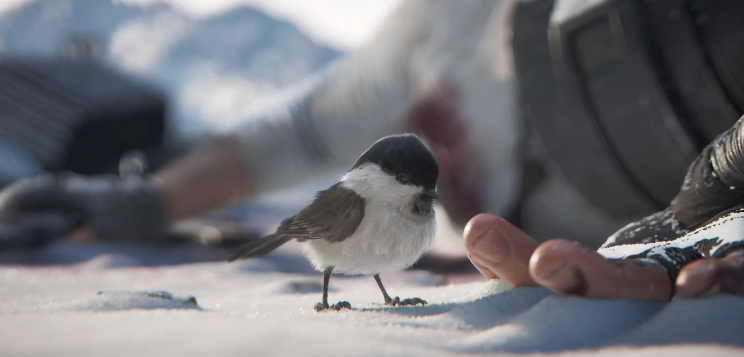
(128, 300)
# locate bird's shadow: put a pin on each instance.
(501, 306)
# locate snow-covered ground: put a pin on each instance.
(113, 305)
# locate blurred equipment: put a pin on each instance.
(73, 115)
(35, 231)
(623, 94)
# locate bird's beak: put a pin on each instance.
(433, 194)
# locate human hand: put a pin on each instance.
(500, 250)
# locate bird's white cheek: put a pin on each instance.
(370, 182)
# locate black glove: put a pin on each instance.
(127, 209)
(714, 181)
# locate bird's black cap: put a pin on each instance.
(403, 154)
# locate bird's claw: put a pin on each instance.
(396, 301)
(337, 306)
(413, 302)
(341, 305)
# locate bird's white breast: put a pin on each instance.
(390, 237)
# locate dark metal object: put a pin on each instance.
(75, 115)
(625, 93)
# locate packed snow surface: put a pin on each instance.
(135, 301)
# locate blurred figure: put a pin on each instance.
(435, 68)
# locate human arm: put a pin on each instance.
(209, 177)
(307, 132)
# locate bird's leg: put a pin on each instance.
(388, 300)
(396, 301)
(326, 278)
(324, 305)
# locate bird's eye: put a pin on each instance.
(403, 178)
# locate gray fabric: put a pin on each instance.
(704, 220)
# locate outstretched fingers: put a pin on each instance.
(712, 276)
(498, 249)
(570, 268)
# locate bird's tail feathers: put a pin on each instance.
(259, 247)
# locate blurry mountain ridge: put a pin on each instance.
(214, 69)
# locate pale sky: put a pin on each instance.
(344, 24)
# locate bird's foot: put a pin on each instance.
(337, 306)
(396, 301)
(341, 305)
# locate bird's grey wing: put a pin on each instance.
(259, 247)
(333, 216)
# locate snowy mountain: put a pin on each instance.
(215, 69)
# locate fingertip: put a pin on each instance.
(479, 225)
(550, 255)
(486, 272)
(709, 277)
(499, 249)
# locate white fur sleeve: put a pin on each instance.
(327, 121)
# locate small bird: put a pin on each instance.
(379, 217)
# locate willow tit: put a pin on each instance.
(378, 218)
